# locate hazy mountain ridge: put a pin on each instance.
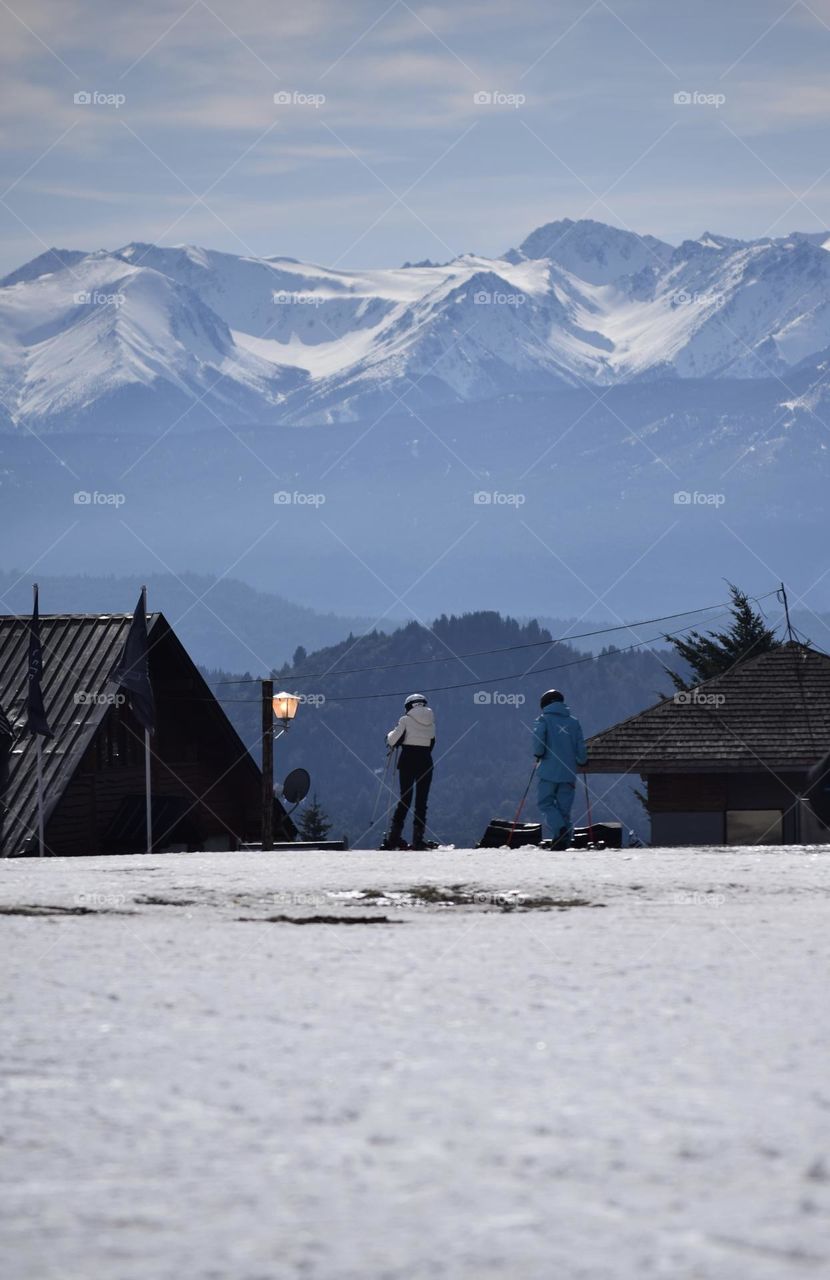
(614, 483)
(222, 622)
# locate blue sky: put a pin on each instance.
(382, 152)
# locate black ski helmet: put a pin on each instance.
(552, 695)
(415, 700)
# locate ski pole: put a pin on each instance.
(381, 787)
(521, 805)
(588, 809)
(393, 755)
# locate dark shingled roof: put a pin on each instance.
(772, 711)
(79, 654)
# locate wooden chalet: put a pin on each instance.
(206, 786)
(726, 763)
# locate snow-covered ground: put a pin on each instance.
(477, 1085)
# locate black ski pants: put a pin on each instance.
(415, 769)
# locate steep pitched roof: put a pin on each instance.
(772, 711)
(80, 652)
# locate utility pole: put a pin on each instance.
(267, 764)
(782, 595)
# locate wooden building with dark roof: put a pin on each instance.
(726, 763)
(206, 786)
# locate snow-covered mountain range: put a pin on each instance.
(145, 337)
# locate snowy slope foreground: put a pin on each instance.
(593, 1066)
(145, 337)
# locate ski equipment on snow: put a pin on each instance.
(501, 832)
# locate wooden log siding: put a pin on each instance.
(700, 792)
(113, 767)
(711, 792)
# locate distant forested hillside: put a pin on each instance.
(483, 753)
(222, 622)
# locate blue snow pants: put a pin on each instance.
(556, 799)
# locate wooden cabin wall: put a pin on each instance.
(225, 792)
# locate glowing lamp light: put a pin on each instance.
(285, 707)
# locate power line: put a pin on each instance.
(501, 679)
(517, 675)
(481, 653)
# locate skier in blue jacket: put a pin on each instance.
(559, 746)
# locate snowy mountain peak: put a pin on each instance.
(44, 264)
(594, 251)
(149, 334)
(710, 240)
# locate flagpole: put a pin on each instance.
(39, 796)
(148, 780)
(39, 741)
(132, 674)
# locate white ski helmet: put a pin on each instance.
(415, 700)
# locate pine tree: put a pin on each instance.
(718, 651)
(314, 824)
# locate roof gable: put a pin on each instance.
(80, 652)
(772, 711)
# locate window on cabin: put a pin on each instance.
(117, 742)
(754, 826)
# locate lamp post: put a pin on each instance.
(281, 707)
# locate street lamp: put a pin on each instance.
(285, 708)
(282, 707)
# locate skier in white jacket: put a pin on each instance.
(415, 735)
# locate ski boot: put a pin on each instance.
(419, 844)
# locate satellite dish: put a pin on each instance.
(296, 785)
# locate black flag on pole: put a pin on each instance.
(36, 721)
(133, 670)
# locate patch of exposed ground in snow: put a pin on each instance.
(583, 1065)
